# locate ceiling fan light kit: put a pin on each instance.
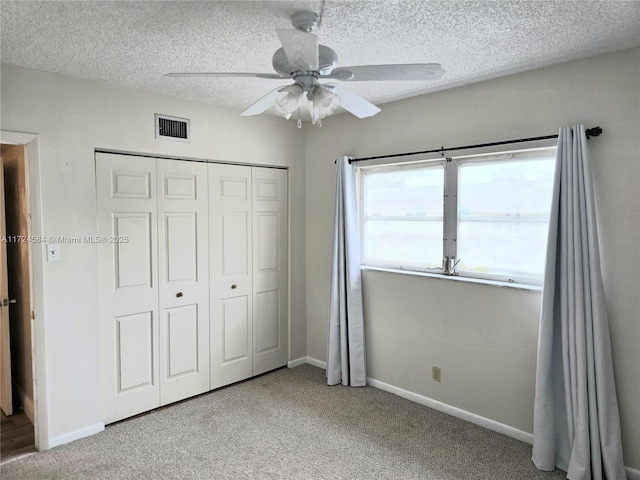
(306, 62)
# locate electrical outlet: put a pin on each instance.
(435, 374)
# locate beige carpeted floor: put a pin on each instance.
(288, 425)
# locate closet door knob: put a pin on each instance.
(179, 294)
(234, 286)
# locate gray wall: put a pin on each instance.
(484, 337)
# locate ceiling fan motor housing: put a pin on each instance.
(327, 61)
(305, 20)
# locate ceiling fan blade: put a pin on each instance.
(301, 49)
(352, 103)
(263, 104)
(224, 74)
(365, 73)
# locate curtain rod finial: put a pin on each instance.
(593, 132)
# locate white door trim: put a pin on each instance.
(32, 160)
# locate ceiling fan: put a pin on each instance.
(302, 59)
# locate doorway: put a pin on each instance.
(17, 400)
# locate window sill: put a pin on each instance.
(457, 278)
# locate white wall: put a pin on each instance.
(483, 337)
(73, 117)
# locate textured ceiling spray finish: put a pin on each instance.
(134, 44)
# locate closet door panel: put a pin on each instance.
(183, 265)
(182, 340)
(235, 330)
(127, 249)
(270, 269)
(133, 259)
(134, 346)
(231, 260)
(267, 325)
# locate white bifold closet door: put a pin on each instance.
(154, 281)
(248, 240)
(270, 269)
(183, 271)
(193, 277)
(231, 273)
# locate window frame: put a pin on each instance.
(450, 210)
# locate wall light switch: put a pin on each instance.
(53, 252)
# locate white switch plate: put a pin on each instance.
(53, 252)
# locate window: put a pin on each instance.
(402, 216)
(494, 224)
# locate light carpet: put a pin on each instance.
(288, 425)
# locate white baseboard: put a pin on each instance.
(310, 360)
(454, 411)
(75, 435)
(442, 407)
(317, 363)
(632, 473)
(297, 362)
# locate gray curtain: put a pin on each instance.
(345, 346)
(576, 421)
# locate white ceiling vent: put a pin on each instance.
(173, 128)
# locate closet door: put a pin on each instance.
(183, 266)
(270, 269)
(127, 215)
(231, 276)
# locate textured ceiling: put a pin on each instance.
(134, 43)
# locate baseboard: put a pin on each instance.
(27, 404)
(297, 362)
(454, 411)
(317, 363)
(632, 473)
(76, 435)
(310, 360)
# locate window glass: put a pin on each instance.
(503, 216)
(402, 216)
(498, 223)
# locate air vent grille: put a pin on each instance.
(172, 128)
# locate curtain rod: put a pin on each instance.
(591, 132)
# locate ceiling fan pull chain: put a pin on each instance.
(299, 119)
